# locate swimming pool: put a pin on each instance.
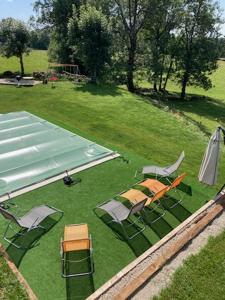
(35, 152)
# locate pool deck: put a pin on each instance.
(23, 82)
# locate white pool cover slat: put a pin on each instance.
(34, 151)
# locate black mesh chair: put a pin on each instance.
(31, 220)
(163, 171)
(120, 213)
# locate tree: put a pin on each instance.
(40, 38)
(14, 39)
(197, 50)
(132, 15)
(90, 39)
(159, 36)
(221, 45)
(56, 14)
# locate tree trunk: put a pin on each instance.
(160, 80)
(94, 77)
(21, 64)
(161, 74)
(130, 71)
(130, 64)
(184, 85)
(155, 86)
(168, 74)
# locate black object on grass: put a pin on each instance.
(70, 181)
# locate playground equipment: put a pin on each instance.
(68, 71)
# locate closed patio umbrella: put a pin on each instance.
(209, 168)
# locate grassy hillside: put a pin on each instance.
(206, 109)
(114, 117)
(36, 61)
(124, 122)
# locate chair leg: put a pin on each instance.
(177, 202)
(42, 227)
(160, 216)
(130, 237)
(7, 239)
(63, 263)
(138, 174)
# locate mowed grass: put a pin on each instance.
(202, 276)
(206, 107)
(144, 134)
(217, 91)
(37, 60)
(10, 287)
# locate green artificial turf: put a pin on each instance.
(202, 276)
(144, 134)
(10, 287)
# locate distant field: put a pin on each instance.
(206, 109)
(37, 60)
(218, 80)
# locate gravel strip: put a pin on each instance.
(163, 278)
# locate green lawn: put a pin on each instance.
(202, 276)
(206, 108)
(217, 91)
(36, 61)
(144, 134)
(10, 287)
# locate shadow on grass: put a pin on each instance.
(28, 241)
(139, 244)
(202, 106)
(99, 90)
(79, 287)
(179, 212)
(83, 286)
(160, 227)
(183, 187)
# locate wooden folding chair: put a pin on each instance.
(154, 186)
(76, 238)
(136, 196)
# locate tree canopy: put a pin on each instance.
(14, 39)
(90, 39)
(175, 39)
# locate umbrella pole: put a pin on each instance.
(223, 131)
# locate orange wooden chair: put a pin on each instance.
(76, 238)
(154, 185)
(135, 196)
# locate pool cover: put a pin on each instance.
(33, 150)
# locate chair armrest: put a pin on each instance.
(56, 209)
(16, 210)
